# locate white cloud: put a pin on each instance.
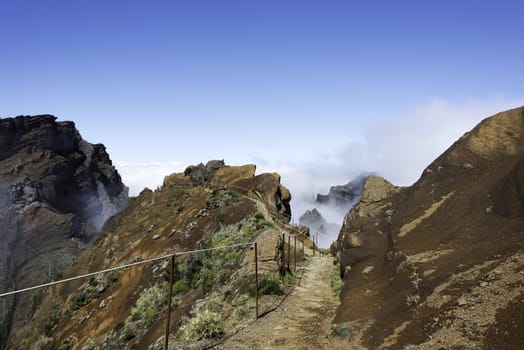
(139, 175)
(398, 149)
(401, 149)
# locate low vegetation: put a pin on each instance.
(151, 302)
(207, 324)
(94, 288)
(412, 300)
(269, 284)
(66, 344)
(336, 282)
(53, 320)
(222, 198)
(339, 330)
(205, 269)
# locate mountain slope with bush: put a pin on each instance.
(206, 207)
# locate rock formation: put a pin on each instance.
(317, 224)
(439, 264)
(343, 195)
(56, 192)
(337, 202)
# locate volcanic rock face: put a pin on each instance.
(56, 192)
(439, 264)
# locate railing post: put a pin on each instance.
(169, 300)
(256, 278)
(288, 252)
(316, 244)
(282, 271)
(295, 255)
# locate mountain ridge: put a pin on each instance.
(402, 250)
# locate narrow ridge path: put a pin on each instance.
(303, 319)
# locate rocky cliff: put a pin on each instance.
(440, 264)
(56, 192)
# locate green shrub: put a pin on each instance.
(214, 305)
(220, 218)
(127, 336)
(84, 297)
(269, 284)
(150, 304)
(66, 344)
(51, 323)
(243, 305)
(339, 330)
(221, 198)
(289, 278)
(204, 326)
(205, 279)
(181, 287)
(336, 282)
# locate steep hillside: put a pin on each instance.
(440, 264)
(56, 191)
(207, 206)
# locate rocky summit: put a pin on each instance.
(343, 195)
(56, 192)
(440, 264)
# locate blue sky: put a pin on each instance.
(317, 90)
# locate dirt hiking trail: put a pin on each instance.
(303, 319)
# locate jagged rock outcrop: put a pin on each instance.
(56, 192)
(268, 188)
(316, 222)
(439, 264)
(216, 174)
(313, 219)
(370, 215)
(343, 195)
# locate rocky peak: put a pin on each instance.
(376, 188)
(342, 195)
(201, 174)
(55, 187)
(310, 217)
